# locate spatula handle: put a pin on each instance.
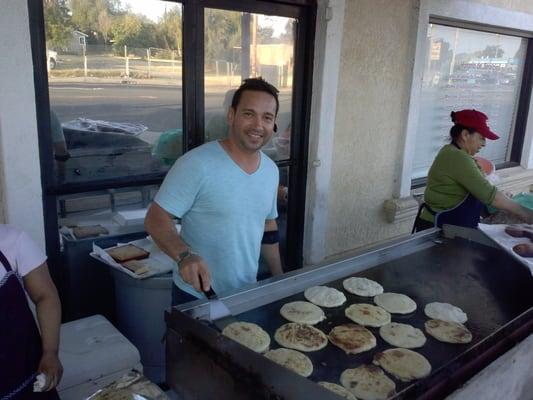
(210, 293)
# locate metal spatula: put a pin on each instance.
(217, 309)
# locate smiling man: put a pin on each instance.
(225, 194)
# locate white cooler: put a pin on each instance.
(93, 353)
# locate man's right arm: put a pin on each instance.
(160, 225)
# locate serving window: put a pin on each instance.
(467, 68)
(125, 88)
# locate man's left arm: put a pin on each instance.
(270, 247)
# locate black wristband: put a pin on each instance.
(270, 237)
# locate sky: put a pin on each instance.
(154, 9)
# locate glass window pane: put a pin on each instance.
(240, 45)
(115, 77)
(468, 69)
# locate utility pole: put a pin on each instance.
(245, 49)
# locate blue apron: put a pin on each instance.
(20, 341)
(467, 213)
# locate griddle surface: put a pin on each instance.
(491, 287)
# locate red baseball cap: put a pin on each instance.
(475, 120)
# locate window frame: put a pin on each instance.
(484, 18)
(192, 111)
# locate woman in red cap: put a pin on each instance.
(456, 187)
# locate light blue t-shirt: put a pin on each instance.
(223, 211)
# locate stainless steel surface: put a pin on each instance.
(273, 289)
(217, 308)
(452, 231)
(491, 287)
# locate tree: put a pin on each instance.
(105, 23)
(57, 24)
(134, 31)
(86, 13)
(169, 30)
(222, 34)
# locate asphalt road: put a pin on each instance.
(159, 107)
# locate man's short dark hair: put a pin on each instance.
(258, 85)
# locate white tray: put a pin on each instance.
(497, 233)
(158, 262)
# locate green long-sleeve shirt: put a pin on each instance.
(452, 176)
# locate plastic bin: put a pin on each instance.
(140, 306)
(88, 284)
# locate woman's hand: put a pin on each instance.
(52, 368)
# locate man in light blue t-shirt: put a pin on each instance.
(225, 193)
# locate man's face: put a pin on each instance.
(252, 123)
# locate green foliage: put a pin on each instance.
(222, 34)
(133, 31)
(87, 16)
(170, 30)
(105, 24)
(107, 20)
(57, 24)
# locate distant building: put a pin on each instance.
(489, 63)
(78, 43)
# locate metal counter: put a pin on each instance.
(467, 270)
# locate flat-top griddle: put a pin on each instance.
(493, 289)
